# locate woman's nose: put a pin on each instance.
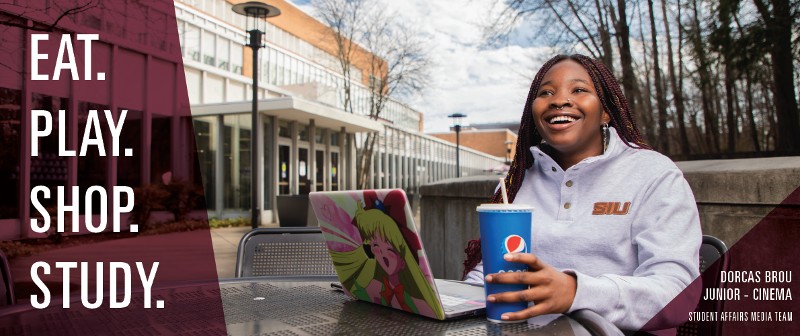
(559, 103)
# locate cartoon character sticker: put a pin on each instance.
(372, 252)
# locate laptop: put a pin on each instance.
(379, 258)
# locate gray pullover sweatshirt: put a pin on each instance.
(625, 223)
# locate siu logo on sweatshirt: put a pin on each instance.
(611, 208)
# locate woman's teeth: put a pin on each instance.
(562, 120)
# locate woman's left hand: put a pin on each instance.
(552, 290)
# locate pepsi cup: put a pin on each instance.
(505, 228)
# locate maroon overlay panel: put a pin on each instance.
(139, 56)
(753, 289)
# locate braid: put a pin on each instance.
(611, 97)
(613, 101)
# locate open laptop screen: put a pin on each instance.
(376, 249)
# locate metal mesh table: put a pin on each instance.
(313, 308)
(259, 306)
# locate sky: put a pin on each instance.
(488, 84)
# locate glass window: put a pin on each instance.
(161, 154)
(205, 130)
(268, 163)
(334, 139)
(334, 171)
(279, 73)
(303, 171)
(115, 27)
(319, 170)
(284, 166)
(269, 55)
(284, 131)
(236, 132)
(90, 19)
(209, 48)
(10, 121)
(318, 136)
(92, 167)
(302, 132)
(156, 21)
(129, 172)
(191, 42)
(236, 57)
(223, 59)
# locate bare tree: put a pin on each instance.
(661, 103)
(677, 91)
(345, 20)
(395, 58)
(49, 16)
(779, 16)
(399, 65)
(733, 69)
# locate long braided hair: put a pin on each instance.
(613, 101)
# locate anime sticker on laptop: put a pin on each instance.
(375, 251)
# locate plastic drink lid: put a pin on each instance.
(504, 207)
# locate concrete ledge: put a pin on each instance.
(732, 197)
(766, 181)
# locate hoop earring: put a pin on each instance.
(605, 137)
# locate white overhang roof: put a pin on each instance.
(297, 109)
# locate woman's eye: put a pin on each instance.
(580, 90)
(545, 93)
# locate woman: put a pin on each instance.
(615, 227)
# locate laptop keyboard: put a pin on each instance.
(453, 303)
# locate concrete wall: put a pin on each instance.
(732, 196)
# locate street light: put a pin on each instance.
(256, 23)
(508, 144)
(457, 117)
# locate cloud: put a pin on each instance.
(487, 84)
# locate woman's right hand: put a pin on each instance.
(551, 290)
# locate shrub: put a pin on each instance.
(182, 197)
(147, 198)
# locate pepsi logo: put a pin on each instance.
(515, 244)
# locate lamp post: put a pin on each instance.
(508, 144)
(457, 117)
(256, 13)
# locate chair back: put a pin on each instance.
(293, 251)
(711, 250)
(596, 324)
(6, 282)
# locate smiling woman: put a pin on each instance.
(568, 112)
(615, 228)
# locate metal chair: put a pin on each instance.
(7, 291)
(711, 250)
(596, 324)
(295, 251)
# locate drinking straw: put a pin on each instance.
(503, 190)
